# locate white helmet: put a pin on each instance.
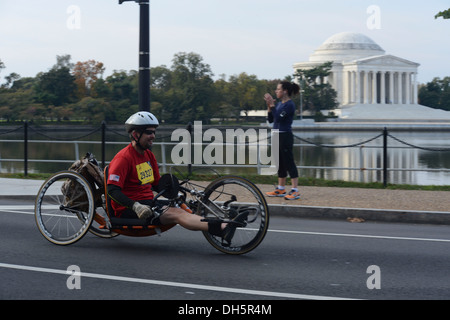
(141, 120)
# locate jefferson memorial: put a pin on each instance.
(370, 84)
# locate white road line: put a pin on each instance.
(16, 207)
(175, 284)
(11, 209)
(16, 211)
(360, 236)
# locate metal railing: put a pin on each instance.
(164, 164)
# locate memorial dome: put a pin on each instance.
(346, 46)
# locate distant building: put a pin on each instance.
(371, 84)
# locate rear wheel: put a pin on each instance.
(227, 197)
(64, 208)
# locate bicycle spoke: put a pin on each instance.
(230, 197)
(64, 208)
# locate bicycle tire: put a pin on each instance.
(64, 208)
(246, 197)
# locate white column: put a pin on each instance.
(337, 82)
(382, 87)
(408, 87)
(352, 87)
(415, 90)
(374, 87)
(391, 87)
(345, 88)
(358, 87)
(366, 87)
(399, 88)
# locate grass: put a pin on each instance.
(260, 179)
(314, 182)
(32, 176)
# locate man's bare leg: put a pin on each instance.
(184, 219)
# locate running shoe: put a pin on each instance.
(292, 195)
(276, 193)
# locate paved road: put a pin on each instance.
(299, 259)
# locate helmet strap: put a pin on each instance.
(138, 143)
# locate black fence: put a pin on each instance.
(385, 134)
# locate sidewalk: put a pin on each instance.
(11, 188)
(368, 204)
(353, 204)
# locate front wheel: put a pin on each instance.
(64, 208)
(227, 197)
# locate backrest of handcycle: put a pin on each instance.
(89, 168)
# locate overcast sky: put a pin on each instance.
(259, 37)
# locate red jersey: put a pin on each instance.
(134, 173)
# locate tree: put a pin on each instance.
(6, 113)
(57, 86)
(160, 84)
(160, 78)
(86, 74)
(245, 93)
(63, 62)
(13, 77)
(94, 110)
(183, 93)
(2, 65)
(436, 94)
(121, 90)
(123, 86)
(192, 91)
(60, 113)
(17, 102)
(444, 14)
(225, 97)
(190, 66)
(32, 112)
(318, 95)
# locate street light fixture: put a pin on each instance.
(144, 54)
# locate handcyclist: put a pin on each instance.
(133, 174)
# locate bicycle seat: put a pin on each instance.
(131, 227)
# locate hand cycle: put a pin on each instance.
(68, 205)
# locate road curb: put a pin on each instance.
(382, 215)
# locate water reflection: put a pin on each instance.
(348, 162)
(363, 160)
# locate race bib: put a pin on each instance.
(145, 173)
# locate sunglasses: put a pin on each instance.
(149, 132)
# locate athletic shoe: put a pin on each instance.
(292, 195)
(231, 227)
(276, 193)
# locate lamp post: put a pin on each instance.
(144, 54)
